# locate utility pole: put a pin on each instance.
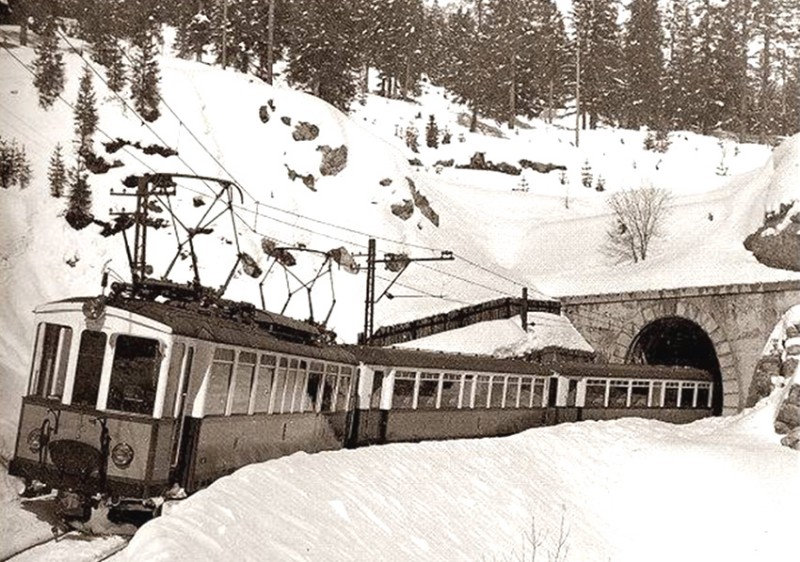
(369, 309)
(578, 91)
(401, 261)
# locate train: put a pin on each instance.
(132, 400)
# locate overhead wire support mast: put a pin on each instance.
(397, 263)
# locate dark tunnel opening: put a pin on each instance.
(678, 341)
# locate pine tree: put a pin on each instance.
(48, 66)
(7, 163)
(106, 51)
(432, 133)
(57, 173)
(23, 168)
(145, 77)
(85, 113)
(79, 203)
(598, 39)
(644, 63)
(323, 54)
(14, 165)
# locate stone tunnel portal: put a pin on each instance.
(678, 341)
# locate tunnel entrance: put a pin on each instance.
(678, 341)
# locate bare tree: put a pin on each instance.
(638, 217)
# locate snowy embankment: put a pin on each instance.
(628, 490)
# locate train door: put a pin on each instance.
(181, 445)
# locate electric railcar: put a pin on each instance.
(131, 400)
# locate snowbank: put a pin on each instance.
(628, 490)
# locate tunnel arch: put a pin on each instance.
(674, 340)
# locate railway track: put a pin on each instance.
(73, 546)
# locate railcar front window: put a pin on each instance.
(91, 352)
(134, 375)
(50, 361)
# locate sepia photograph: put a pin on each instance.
(399, 280)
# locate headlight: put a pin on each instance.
(35, 440)
(122, 455)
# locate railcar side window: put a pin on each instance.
(50, 361)
(219, 382)
(266, 372)
(671, 394)
(595, 393)
(451, 388)
(466, 394)
(343, 397)
(91, 352)
(316, 374)
(329, 390)
(428, 388)
(404, 382)
(538, 393)
(498, 392)
(639, 392)
(525, 394)
(482, 391)
(687, 395)
(243, 382)
(512, 392)
(657, 394)
(280, 387)
(703, 395)
(300, 396)
(618, 394)
(134, 375)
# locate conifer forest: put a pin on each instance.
(700, 65)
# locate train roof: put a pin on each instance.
(196, 322)
(205, 324)
(422, 359)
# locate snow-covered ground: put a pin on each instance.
(628, 490)
(719, 489)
